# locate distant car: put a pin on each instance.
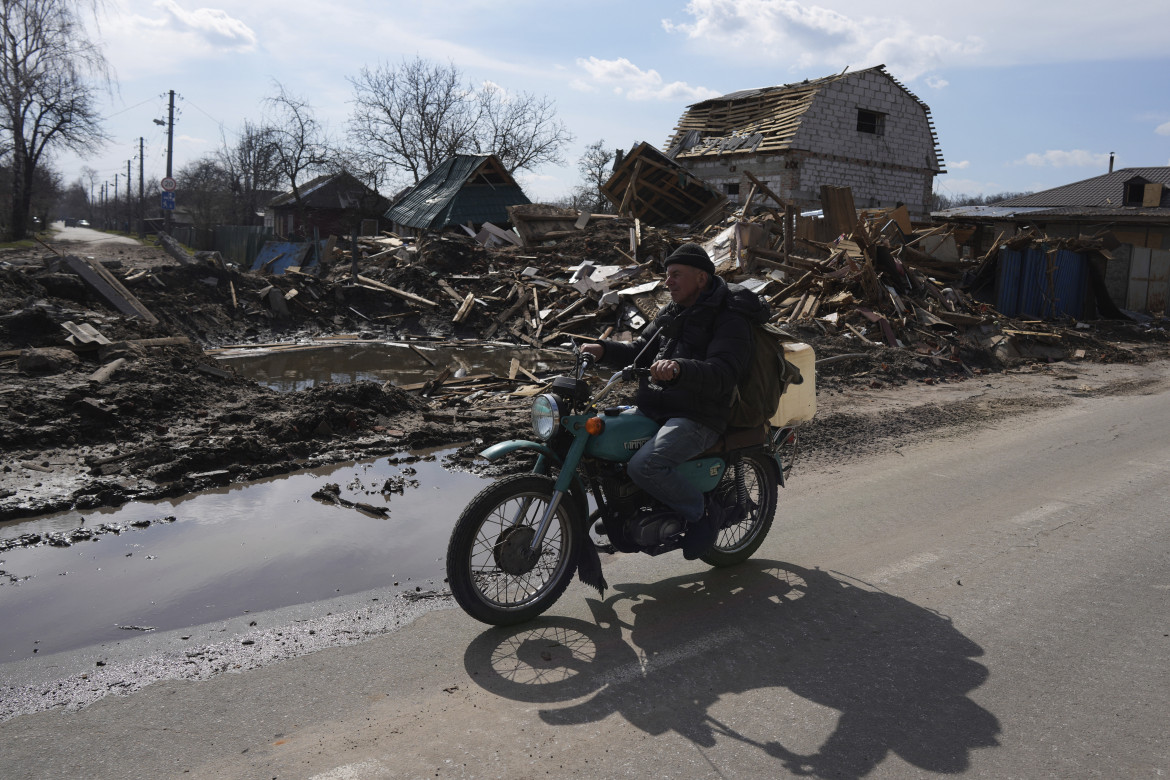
(83, 223)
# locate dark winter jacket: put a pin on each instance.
(711, 340)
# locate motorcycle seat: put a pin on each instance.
(738, 438)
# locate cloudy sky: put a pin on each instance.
(1024, 95)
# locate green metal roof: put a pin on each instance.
(458, 191)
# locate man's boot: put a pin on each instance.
(701, 535)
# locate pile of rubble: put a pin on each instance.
(108, 363)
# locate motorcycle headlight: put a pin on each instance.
(546, 416)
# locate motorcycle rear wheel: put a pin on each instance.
(738, 542)
(488, 568)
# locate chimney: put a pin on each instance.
(1111, 162)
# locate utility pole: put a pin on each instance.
(115, 202)
(129, 201)
(141, 202)
(170, 150)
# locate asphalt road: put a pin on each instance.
(991, 605)
(82, 235)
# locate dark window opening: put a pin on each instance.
(870, 122)
(1135, 191)
(732, 189)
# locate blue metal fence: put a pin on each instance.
(1041, 283)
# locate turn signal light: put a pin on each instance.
(594, 426)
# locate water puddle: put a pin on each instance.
(239, 549)
(303, 366)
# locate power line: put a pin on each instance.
(130, 108)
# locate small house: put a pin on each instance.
(466, 189)
(862, 130)
(335, 204)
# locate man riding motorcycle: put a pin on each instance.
(696, 348)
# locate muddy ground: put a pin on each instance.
(171, 421)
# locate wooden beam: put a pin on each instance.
(395, 291)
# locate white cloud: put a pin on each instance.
(934, 82)
(213, 25)
(1163, 129)
(1057, 158)
(813, 35)
(636, 84)
(960, 165)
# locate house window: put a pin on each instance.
(1135, 190)
(732, 188)
(871, 122)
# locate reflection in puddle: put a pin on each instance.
(238, 549)
(292, 369)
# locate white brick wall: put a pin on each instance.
(882, 170)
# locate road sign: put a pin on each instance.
(168, 201)
(168, 184)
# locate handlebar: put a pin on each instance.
(627, 374)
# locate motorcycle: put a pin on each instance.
(515, 547)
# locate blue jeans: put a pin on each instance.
(653, 466)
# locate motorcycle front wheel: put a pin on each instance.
(493, 572)
(744, 533)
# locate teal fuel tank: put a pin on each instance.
(625, 434)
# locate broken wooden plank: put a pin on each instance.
(109, 287)
(175, 249)
(105, 372)
(464, 308)
(455, 297)
(395, 291)
(421, 354)
(509, 313)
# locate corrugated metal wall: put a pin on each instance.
(241, 243)
(1041, 283)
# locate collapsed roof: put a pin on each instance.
(760, 121)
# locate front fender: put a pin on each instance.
(546, 460)
(543, 451)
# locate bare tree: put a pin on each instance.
(413, 116)
(595, 166)
(251, 169)
(299, 142)
(941, 201)
(46, 98)
(206, 190)
(89, 177)
(522, 129)
(74, 201)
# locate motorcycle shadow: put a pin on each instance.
(662, 654)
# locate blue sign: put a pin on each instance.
(168, 201)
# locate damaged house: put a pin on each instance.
(862, 130)
(1129, 208)
(334, 204)
(466, 189)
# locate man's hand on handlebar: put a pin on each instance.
(664, 370)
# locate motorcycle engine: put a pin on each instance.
(652, 527)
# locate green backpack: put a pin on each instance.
(767, 376)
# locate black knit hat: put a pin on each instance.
(692, 255)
